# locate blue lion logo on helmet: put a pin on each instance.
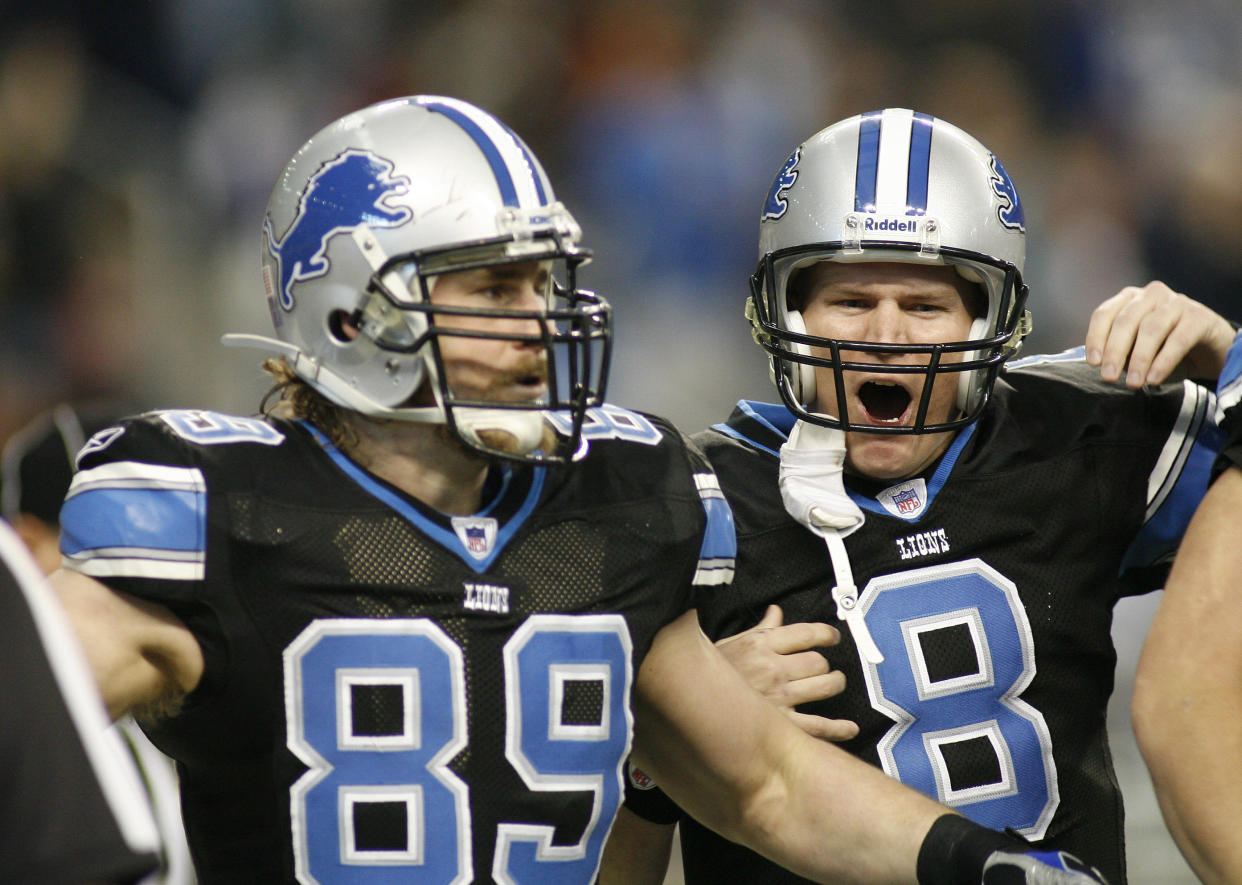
(1010, 210)
(345, 193)
(776, 205)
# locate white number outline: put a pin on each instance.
(319, 768)
(615, 674)
(207, 428)
(541, 834)
(1010, 698)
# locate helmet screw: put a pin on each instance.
(391, 367)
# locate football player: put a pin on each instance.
(1188, 686)
(968, 521)
(399, 627)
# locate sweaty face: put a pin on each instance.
(888, 303)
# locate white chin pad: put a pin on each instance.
(526, 428)
(802, 376)
(978, 329)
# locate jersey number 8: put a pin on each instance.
(958, 652)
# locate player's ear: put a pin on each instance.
(344, 325)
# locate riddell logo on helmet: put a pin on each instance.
(898, 225)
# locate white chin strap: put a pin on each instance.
(813, 491)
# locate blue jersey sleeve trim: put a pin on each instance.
(1174, 503)
(774, 416)
(718, 551)
(1229, 385)
(152, 519)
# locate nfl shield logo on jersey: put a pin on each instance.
(905, 500)
(476, 533)
(639, 779)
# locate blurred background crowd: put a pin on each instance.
(139, 141)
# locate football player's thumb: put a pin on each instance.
(773, 617)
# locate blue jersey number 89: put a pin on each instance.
(958, 652)
(421, 671)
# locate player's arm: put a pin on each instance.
(142, 655)
(1148, 333)
(780, 662)
(731, 760)
(1187, 706)
(637, 852)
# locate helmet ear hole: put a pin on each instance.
(341, 326)
(968, 390)
(801, 376)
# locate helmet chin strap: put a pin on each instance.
(813, 492)
(332, 385)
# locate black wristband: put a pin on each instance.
(955, 850)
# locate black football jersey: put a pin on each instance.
(988, 586)
(391, 693)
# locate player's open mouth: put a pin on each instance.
(884, 401)
(525, 387)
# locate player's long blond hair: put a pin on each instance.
(290, 396)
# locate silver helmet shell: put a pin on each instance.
(891, 186)
(365, 216)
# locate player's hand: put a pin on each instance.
(1039, 868)
(1156, 331)
(780, 662)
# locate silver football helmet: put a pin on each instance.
(365, 217)
(891, 185)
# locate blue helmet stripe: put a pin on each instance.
(920, 165)
(532, 163)
(868, 161)
(500, 170)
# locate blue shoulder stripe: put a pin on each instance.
(1178, 481)
(131, 519)
(773, 416)
(719, 548)
(1229, 385)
